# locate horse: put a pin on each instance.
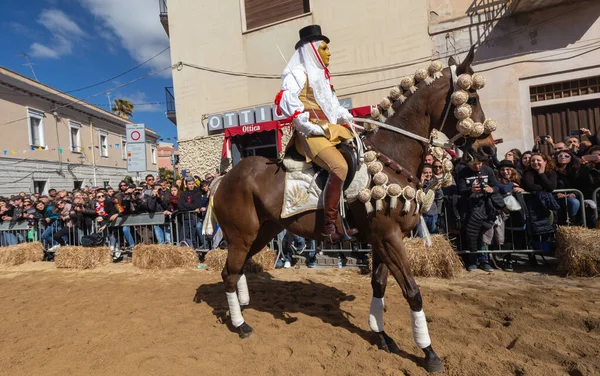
(248, 202)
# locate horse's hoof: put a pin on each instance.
(386, 343)
(244, 330)
(432, 363)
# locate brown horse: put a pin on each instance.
(248, 202)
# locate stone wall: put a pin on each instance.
(202, 155)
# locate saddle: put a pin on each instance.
(294, 161)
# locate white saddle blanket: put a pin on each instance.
(302, 193)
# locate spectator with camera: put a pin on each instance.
(430, 217)
(157, 204)
(480, 205)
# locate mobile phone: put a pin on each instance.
(576, 132)
(498, 141)
(591, 158)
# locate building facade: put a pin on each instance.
(52, 140)
(228, 72)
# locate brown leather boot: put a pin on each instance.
(331, 200)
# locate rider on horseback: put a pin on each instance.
(308, 98)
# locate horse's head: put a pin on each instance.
(465, 120)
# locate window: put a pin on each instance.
(36, 127)
(264, 12)
(124, 148)
(75, 129)
(39, 186)
(77, 184)
(565, 89)
(103, 145)
(153, 153)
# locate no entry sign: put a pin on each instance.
(136, 133)
(136, 147)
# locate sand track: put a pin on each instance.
(119, 320)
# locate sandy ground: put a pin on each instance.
(119, 320)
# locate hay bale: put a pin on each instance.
(578, 251)
(263, 261)
(21, 253)
(161, 256)
(439, 261)
(82, 257)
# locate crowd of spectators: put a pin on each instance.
(62, 217)
(485, 195)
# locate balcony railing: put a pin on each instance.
(170, 100)
(164, 15)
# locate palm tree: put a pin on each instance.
(123, 108)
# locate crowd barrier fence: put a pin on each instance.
(185, 228)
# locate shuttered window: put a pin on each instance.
(264, 12)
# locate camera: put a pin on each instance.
(543, 139)
(576, 132)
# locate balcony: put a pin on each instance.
(164, 15)
(170, 100)
(527, 6)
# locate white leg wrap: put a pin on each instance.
(242, 289)
(376, 315)
(419, 326)
(234, 309)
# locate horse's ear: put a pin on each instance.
(451, 61)
(464, 66)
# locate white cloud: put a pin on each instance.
(136, 24)
(140, 97)
(39, 50)
(64, 33)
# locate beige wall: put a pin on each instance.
(15, 135)
(522, 51)
(209, 33)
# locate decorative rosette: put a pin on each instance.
(375, 113)
(365, 197)
(370, 156)
(459, 97)
(435, 69)
(385, 104)
(428, 199)
(394, 190)
(478, 129)
(438, 153)
(447, 165)
(408, 83)
(378, 193)
(395, 93)
(375, 167)
(478, 81)
(465, 126)
(408, 194)
(490, 126)
(423, 75)
(380, 178)
(447, 180)
(419, 197)
(464, 81)
(463, 112)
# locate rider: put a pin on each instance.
(308, 98)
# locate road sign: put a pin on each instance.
(136, 133)
(136, 157)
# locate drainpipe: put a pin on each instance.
(93, 151)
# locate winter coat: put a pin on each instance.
(540, 204)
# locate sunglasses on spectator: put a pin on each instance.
(567, 156)
(437, 166)
(100, 196)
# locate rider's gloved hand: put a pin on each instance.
(305, 127)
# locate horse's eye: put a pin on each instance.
(472, 101)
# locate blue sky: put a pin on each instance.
(77, 43)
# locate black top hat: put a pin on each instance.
(310, 34)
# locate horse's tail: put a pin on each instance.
(210, 219)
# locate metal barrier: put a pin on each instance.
(185, 229)
(595, 195)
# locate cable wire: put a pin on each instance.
(119, 75)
